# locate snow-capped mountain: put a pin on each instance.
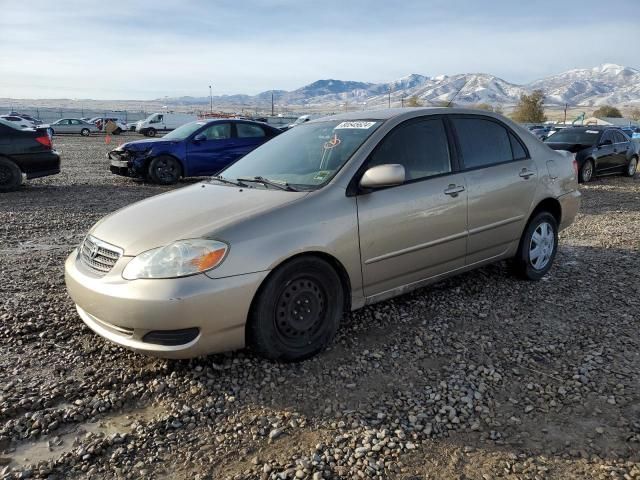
(605, 84)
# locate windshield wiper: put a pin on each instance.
(266, 181)
(230, 182)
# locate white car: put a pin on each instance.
(101, 121)
(18, 121)
(163, 122)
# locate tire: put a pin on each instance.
(117, 131)
(632, 167)
(540, 236)
(151, 132)
(586, 172)
(85, 132)
(165, 170)
(10, 175)
(276, 330)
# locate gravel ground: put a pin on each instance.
(482, 376)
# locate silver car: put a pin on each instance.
(72, 125)
(335, 214)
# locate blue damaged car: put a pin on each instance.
(195, 149)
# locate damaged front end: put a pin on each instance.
(129, 163)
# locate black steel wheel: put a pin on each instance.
(297, 312)
(165, 170)
(10, 175)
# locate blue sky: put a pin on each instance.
(151, 49)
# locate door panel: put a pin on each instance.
(501, 182)
(411, 232)
(499, 202)
(209, 156)
(606, 155)
(248, 137)
(416, 230)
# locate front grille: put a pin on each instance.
(99, 256)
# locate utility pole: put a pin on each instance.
(272, 112)
(402, 101)
(389, 97)
(210, 100)
(565, 113)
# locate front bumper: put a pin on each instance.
(124, 163)
(124, 311)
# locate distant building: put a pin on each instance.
(613, 121)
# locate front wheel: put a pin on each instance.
(538, 247)
(632, 167)
(586, 172)
(297, 312)
(85, 132)
(165, 170)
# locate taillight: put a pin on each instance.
(45, 140)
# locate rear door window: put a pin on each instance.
(246, 130)
(483, 142)
(620, 138)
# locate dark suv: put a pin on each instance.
(598, 150)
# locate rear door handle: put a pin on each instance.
(525, 173)
(453, 190)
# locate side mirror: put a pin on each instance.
(606, 142)
(201, 137)
(386, 175)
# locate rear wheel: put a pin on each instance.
(10, 175)
(632, 167)
(586, 172)
(297, 312)
(538, 247)
(85, 132)
(165, 170)
(151, 132)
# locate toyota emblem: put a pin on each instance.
(93, 251)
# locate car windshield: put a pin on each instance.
(580, 137)
(306, 156)
(184, 131)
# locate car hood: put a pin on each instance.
(569, 147)
(140, 145)
(190, 212)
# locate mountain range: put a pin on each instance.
(604, 84)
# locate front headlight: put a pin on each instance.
(179, 259)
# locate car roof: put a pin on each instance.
(389, 113)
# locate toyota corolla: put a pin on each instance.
(330, 216)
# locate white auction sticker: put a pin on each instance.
(364, 125)
(592, 131)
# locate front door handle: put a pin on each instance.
(453, 190)
(525, 173)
